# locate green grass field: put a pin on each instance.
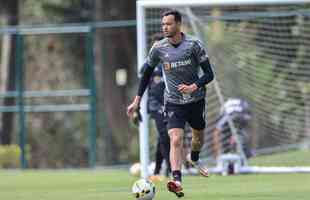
(116, 185)
(290, 158)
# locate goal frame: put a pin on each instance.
(141, 5)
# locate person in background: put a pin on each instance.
(238, 111)
(155, 107)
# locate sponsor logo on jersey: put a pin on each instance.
(176, 64)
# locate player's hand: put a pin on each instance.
(187, 89)
(137, 117)
(133, 107)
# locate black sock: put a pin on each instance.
(177, 175)
(195, 155)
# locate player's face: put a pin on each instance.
(169, 26)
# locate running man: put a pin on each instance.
(186, 71)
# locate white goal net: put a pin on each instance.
(260, 52)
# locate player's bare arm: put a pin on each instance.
(133, 106)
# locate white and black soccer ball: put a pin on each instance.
(143, 189)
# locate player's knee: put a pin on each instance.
(176, 139)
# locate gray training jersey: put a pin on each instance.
(180, 66)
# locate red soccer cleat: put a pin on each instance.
(176, 188)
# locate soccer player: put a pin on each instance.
(238, 110)
(155, 107)
(186, 71)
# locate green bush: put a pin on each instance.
(9, 156)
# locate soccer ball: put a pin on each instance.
(143, 189)
(135, 169)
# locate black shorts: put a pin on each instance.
(179, 114)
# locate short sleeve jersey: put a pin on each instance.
(181, 65)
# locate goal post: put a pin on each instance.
(257, 39)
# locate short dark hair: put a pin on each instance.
(157, 37)
(177, 15)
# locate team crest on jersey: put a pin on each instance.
(167, 66)
(157, 79)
